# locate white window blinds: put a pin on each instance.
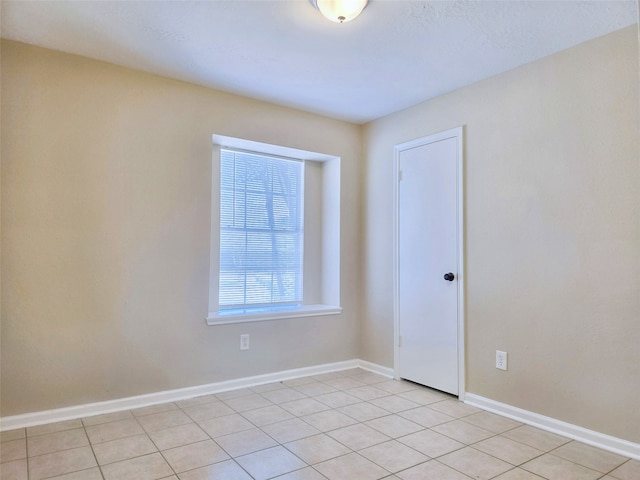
(261, 231)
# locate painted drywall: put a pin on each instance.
(106, 199)
(552, 232)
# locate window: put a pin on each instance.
(261, 232)
(275, 232)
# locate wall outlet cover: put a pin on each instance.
(501, 360)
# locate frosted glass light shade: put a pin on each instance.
(340, 11)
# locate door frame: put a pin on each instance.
(456, 133)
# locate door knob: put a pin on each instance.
(449, 277)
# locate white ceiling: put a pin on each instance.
(396, 54)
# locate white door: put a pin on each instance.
(427, 260)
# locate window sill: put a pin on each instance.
(304, 311)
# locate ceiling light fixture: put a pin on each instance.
(340, 11)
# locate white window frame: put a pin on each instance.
(329, 280)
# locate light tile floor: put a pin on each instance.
(339, 426)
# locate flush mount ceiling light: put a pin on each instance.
(340, 11)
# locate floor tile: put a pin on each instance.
(431, 470)
(16, 434)
(248, 441)
(351, 466)
(344, 383)
(304, 406)
(248, 402)
(106, 418)
(194, 455)
(363, 411)
(270, 463)
(463, 432)
(555, 468)
(627, 471)
(325, 377)
(268, 387)
(113, 430)
(338, 426)
(393, 456)
(162, 407)
(227, 470)
(54, 442)
(162, 420)
(123, 449)
(337, 399)
(308, 473)
(394, 426)
(54, 427)
(267, 415)
(13, 450)
(454, 408)
(205, 411)
(299, 381)
(217, 427)
(536, 438)
(192, 402)
(149, 467)
(315, 389)
(515, 453)
(491, 421)
(290, 430)
(367, 392)
(475, 464)
(396, 386)
(240, 392)
(15, 470)
(518, 474)
(317, 448)
(370, 378)
(328, 420)
(178, 436)
(394, 404)
(590, 457)
(430, 443)
(358, 436)
(425, 416)
(425, 396)
(90, 474)
(58, 463)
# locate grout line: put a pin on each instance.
(26, 451)
(92, 450)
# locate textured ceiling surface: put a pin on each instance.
(396, 54)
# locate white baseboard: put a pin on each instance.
(600, 440)
(109, 406)
(375, 368)
(590, 437)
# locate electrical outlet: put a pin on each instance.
(244, 341)
(501, 360)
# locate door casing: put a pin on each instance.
(452, 133)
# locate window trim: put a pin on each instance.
(330, 242)
(303, 311)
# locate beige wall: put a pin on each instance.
(552, 232)
(105, 234)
